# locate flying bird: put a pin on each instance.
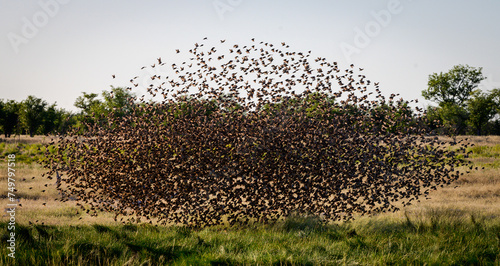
(250, 133)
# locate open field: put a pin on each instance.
(25, 139)
(455, 226)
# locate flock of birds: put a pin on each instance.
(252, 133)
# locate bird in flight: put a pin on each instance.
(249, 132)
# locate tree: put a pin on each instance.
(495, 96)
(91, 109)
(32, 113)
(453, 91)
(453, 87)
(117, 100)
(88, 103)
(481, 109)
(2, 113)
(52, 119)
(10, 123)
(94, 110)
(68, 121)
(447, 119)
(34, 116)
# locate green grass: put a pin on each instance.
(485, 155)
(25, 153)
(485, 151)
(439, 238)
(434, 235)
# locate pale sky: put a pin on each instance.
(55, 49)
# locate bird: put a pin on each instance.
(250, 132)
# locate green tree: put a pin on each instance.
(482, 108)
(117, 100)
(448, 119)
(94, 110)
(91, 109)
(2, 114)
(394, 116)
(69, 121)
(452, 91)
(32, 113)
(495, 96)
(11, 123)
(53, 119)
(453, 87)
(89, 104)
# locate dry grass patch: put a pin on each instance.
(476, 140)
(26, 139)
(37, 198)
(476, 192)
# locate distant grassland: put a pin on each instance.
(456, 226)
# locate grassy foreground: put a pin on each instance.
(447, 239)
(457, 226)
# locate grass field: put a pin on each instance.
(456, 226)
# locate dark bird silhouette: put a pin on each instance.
(251, 133)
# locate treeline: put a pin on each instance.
(462, 108)
(35, 116)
